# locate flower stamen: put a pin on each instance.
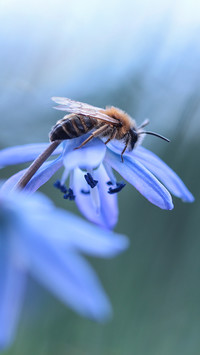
(91, 182)
(69, 195)
(110, 174)
(60, 186)
(64, 176)
(95, 199)
(118, 188)
(85, 192)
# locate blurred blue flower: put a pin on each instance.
(91, 180)
(37, 238)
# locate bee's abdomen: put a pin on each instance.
(72, 127)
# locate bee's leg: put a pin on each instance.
(123, 151)
(94, 134)
(112, 136)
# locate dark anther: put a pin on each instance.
(119, 187)
(88, 177)
(63, 189)
(58, 185)
(85, 192)
(70, 195)
(109, 183)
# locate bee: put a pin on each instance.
(110, 122)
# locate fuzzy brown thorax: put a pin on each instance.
(126, 121)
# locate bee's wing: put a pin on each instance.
(82, 109)
(68, 104)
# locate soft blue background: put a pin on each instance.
(143, 57)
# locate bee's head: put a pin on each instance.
(134, 138)
(135, 133)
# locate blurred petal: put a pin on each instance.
(85, 205)
(12, 282)
(137, 175)
(163, 172)
(44, 174)
(23, 153)
(69, 277)
(12, 181)
(33, 207)
(83, 236)
(87, 157)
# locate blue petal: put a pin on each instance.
(29, 207)
(83, 236)
(39, 179)
(163, 172)
(109, 203)
(68, 276)
(23, 153)
(137, 175)
(102, 218)
(87, 157)
(12, 282)
(83, 201)
(46, 171)
(12, 181)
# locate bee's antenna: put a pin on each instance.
(155, 134)
(144, 124)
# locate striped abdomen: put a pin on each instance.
(72, 126)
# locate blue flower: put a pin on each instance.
(92, 183)
(46, 242)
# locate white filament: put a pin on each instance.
(94, 192)
(64, 176)
(110, 173)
